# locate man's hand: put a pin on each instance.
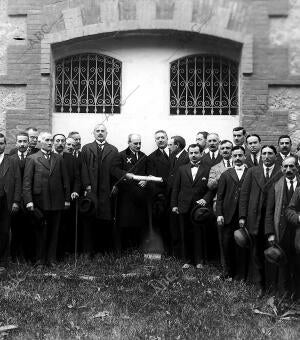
(142, 184)
(129, 175)
(67, 205)
(242, 223)
(220, 221)
(271, 239)
(201, 202)
(74, 195)
(87, 189)
(175, 210)
(15, 207)
(30, 206)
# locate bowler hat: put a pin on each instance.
(242, 237)
(200, 214)
(87, 204)
(275, 254)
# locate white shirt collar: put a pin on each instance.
(179, 153)
(1, 157)
(256, 155)
(225, 162)
(283, 156)
(240, 168)
(289, 180)
(216, 153)
(24, 153)
(100, 143)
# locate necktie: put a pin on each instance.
(291, 187)
(22, 156)
(213, 156)
(255, 160)
(228, 163)
(165, 154)
(267, 174)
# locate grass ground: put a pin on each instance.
(128, 298)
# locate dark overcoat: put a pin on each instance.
(132, 199)
(96, 173)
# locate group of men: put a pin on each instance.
(206, 194)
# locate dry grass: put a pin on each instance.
(126, 298)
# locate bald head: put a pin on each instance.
(134, 142)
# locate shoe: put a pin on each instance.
(199, 266)
(186, 266)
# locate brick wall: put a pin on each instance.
(267, 32)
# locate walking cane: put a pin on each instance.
(76, 234)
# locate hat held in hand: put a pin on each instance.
(242, 238)
(200, 214)
(275, 254)
(87, 204)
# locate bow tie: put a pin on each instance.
(194, 165)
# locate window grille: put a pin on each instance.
(88, 83)
(203, 85)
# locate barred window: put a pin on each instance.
(88, 83)
(203, 85)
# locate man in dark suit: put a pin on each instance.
(66, 238)
(70, 145)
(46, 188)
(252, 211)
(254, 146)
(239, 136)
(97, 158)
(21, 226)
(213, 157)
(201, 139)
(230, 183)
(280, 231)
(178, 157)
(158, 164)
(132, 195)
(10, 196)
(77, 138)
(32, 145)
(284, 148)
(190, 189)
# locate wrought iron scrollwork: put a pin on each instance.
(88, 83)
(203, 85)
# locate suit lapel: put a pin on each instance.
(41, 158)
(260, 178)
(234, 175)
(53, 160)
(106, 150)
(189, 173)
(94, 147)
(5, 164)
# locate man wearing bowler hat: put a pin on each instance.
(230, 183)
(278, 229)
(252, 211)
(190, 189)
(46, 188)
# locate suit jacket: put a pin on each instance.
(12, 181)
(293, 209)
(250, 163)
(13, 151)
(254, 194)
(96, 173)
(215, 174)
(275, 222)
(229, 194)
(73, 172)
(174, 166)
(186, 192)
(208, 162)
(45, 182)
(158, 165)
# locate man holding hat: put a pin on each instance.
(252, 211)
(235, 257)
(278, 229)
(190, 190)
